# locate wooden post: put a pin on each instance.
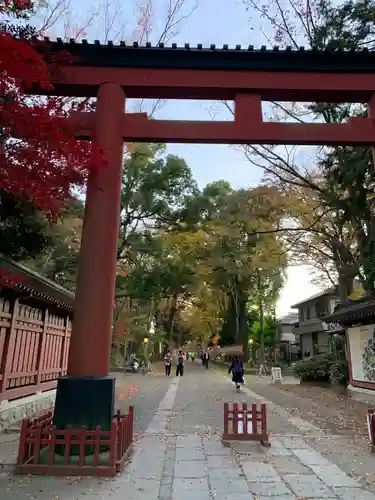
(254, 418)
(42, 349)
(9, 351)
(235, 419)
(64, 353)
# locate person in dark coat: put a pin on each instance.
(237, 371)
(180, 364)
(205, 359)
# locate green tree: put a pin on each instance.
(154, 187)
(240, 251)
(342, 182)
(24, 230)
(50, 247)
(59, 260)
(195, 270)
(269, 329)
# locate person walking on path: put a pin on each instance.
(237, 372)
(168, 363)
(180, 364)
(206, 358)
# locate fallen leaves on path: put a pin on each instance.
(126, 393)
(329, 409)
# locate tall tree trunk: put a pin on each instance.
(244, 324)
(343, 260)
(171, 317)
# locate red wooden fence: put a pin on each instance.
(242, 423)
(39, 439)
(34, 347)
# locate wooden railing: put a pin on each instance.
(34, 347)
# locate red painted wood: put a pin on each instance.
(22, 442)
(37, 439)
(51, 455)
(96, 447)
(31, 353)
(235, 419)
(41, 355)
(217, 85)
(140, 129)
(112, 443)
(10, 345)
(372, 431)
(20, 392)
(97, 270)
(82, 436)
(254, 418)
(363, 385)
(39, 433)
(264, 419)
(245, 417)
(258, 415)
(64, 347)
(67, 442)
(226, 419)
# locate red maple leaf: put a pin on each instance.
(41, 160)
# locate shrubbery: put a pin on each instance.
(339, 372)
(323, 368)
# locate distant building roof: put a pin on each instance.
(328, 291)
(289, 319)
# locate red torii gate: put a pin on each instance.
(247, 77)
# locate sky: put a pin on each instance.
(209, 23)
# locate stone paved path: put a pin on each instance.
(181, 456)
(350, 451)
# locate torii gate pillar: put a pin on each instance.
(86, 395)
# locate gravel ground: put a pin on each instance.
(144, 392)
(327, 409)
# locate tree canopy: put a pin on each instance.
(331, 209)
(41, 160)
(193, 256)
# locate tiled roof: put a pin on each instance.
(289, 319)
(125, 54)
(361, 312)
(199, 47)
(36, 285)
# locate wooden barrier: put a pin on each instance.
(39, 439)
(245, 424)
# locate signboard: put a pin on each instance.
(333, 327)
(362, 352)
(276, 375)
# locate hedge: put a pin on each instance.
(323, 368)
